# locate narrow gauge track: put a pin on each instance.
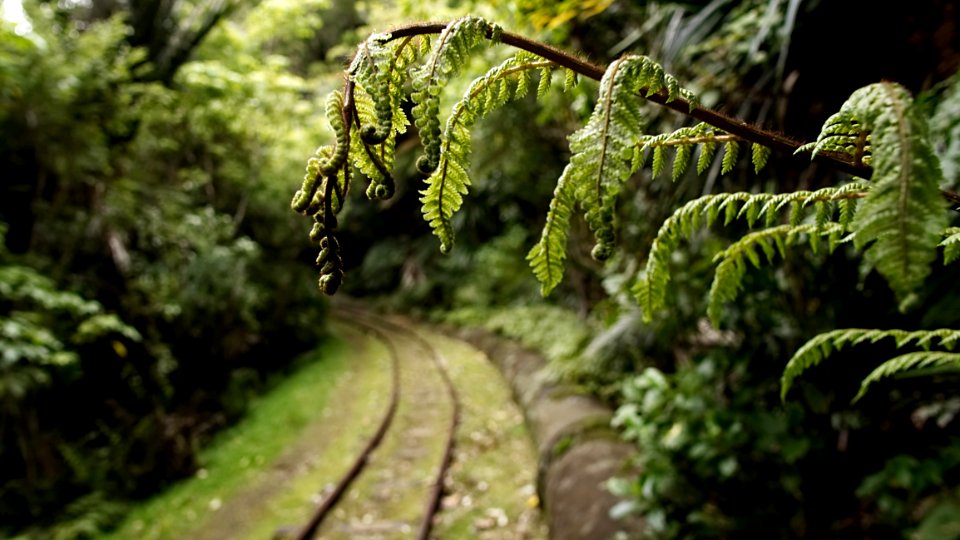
(388, 332)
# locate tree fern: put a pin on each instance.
(902, 219)
(819, 348)
(447, 185)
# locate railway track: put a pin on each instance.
(416, 432)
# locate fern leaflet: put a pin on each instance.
(951, 245)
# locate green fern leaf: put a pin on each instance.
(910, 362)
(951, 245)
(760, 155)
(730, 151)
(447, 185)
(820, 347)
(727, 280)
(902, 218)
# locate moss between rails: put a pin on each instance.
(236, 455)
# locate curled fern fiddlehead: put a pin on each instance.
(325, 188)
(379, 72)
(370, 71)
(449, 53)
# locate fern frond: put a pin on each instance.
(595, 172)
(650, 289)
(901, 220)
(548, 255)
(728, 278)
(819, 348)
(450, 52)
(600, 162)
(915, 361)
(447, 185)
(951, 245)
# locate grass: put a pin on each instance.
(234, 458)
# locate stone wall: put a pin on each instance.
(578, 451)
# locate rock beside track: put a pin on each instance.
(578, 451)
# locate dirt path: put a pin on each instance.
(490, 489)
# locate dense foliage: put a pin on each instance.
(878, 270)
(148, 286)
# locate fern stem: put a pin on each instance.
(836, 160)
(693, 140)
(749, 132)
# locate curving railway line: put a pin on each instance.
(416, 433)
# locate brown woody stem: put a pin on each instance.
(749, 132)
